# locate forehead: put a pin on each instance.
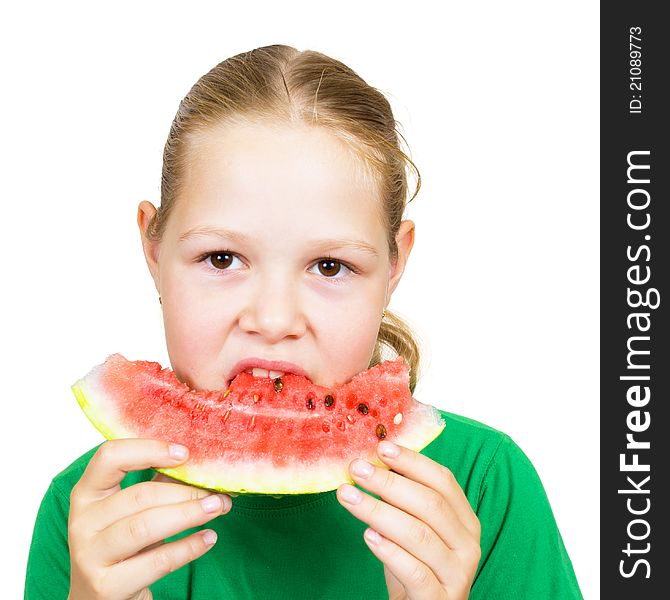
(289, 175)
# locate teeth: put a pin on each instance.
(256, 372)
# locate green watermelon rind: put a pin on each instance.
(421, 426)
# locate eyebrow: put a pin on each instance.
(241, 238)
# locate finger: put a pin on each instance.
(161, 478)
(426, 504)
(413, 536)
(419, 581)
(395, 589)
(139, 497)
(423, 470)
(129, 576)
(131, 534)
(115, 458)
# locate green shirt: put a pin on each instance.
(309, 547)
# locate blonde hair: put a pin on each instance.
(280, 83)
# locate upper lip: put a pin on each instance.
(270, 365)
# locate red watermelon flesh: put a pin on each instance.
(262, 436)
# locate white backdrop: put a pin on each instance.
(499, 104)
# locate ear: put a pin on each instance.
(404, 241)
(145, 212)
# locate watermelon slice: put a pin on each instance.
(261, 435)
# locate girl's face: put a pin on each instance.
(274, 251)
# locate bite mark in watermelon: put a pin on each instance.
(260, 436)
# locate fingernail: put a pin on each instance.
(350, 494)
(361, 468)
(178, 452)
(372, 536)
(209, 537)
(389, 449)
(211, 503)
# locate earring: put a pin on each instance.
(383, 313)
(160, 301)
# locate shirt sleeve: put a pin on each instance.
(523, 556)
(48, 570)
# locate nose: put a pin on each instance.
(274, 308)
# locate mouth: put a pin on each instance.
(258, 372)
(264, 369)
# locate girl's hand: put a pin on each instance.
(424, 531)
(116, 535)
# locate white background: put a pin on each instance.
(499, 104)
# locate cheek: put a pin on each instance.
(193, 323)
(350, 347)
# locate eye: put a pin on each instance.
(329, 267)
(220, 260)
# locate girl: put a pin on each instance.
(280, 237)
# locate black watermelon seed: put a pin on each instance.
(363, 409)
(279, 384)
(380, 431)
(310, 404)
(329, 401)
